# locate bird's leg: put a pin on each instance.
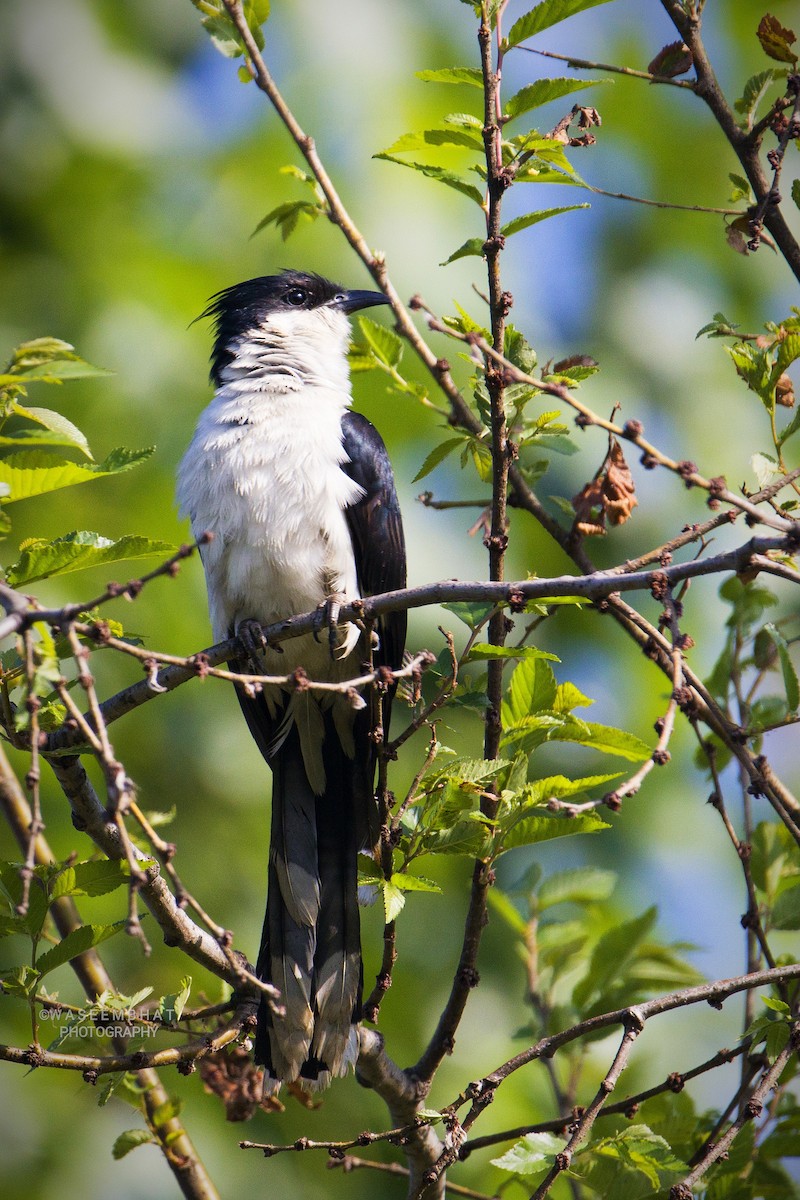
(327, 617)
(251, 636)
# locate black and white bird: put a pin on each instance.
(299, 494)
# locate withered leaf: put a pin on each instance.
(610, 496)
(586, 116)
(737, 235)
(776, 41)
(231, 1075)
(674, 59)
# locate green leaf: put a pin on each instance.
(49, 360)
(611, 955)
(384, 343)
(544, 827)
(287, 216)
(75, 943)
(790, 681)
(393, 901)
(472, 247)
(581, 885)
(786, 910)
(543, 91)
(472, 613)
(436, 456)
(171, 1007)
(33, 472)
(604, 738)
(532, 690)
(440, 175)
(224, 34)
(469, 75)
(53, 429)
(77, 551)
(11, 887)
(765, 468)
(483, 651)
(534, 1153)
(755, 90)
(533, 218)
(414, 883)
(95, 878)
(420, 140)
(549, 12)
(132, 1138)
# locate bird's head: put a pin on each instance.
(295, 312)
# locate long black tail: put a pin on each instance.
(310, 945)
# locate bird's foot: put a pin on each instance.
(251, 637)
(327, 617)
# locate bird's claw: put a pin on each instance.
(327, 617)
(251, 637)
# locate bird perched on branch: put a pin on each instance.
(299, 494)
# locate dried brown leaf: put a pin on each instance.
(610, 496)
(674, 59)
(231, 1075)
(776, 40)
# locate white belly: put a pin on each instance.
(273, 494)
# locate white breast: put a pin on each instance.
(263, 474)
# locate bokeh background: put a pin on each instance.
(134, 167)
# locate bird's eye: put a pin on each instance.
(296, 296)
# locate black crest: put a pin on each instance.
(237, 309)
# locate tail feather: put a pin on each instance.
(311, 940)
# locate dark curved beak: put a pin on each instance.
(350, 302)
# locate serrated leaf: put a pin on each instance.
(543, 91)
(436, 456)
(130, 1139)
(613, 952)
(471, 248)
(790, 681)
(422, 139)
(533, 218)
(764, 467)
(77, 551)
(604, 738)
(755, 89)
(34, 472)
(530, 1155)
(483, 651)
(549, 12)
(50, 360)
(393, 901)
(52, 426)
(414, 883)
(469, 75)
(544, 827)
(89, 879)
(786, 910)
(581, 885)
(171, 1006)
(384, 343)
(472, 613)
(76, 942)
(448, 178)
(532, 689)
(287, 216)
(776, 40)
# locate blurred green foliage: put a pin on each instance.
(135, 167)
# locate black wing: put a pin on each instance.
(376, 529)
